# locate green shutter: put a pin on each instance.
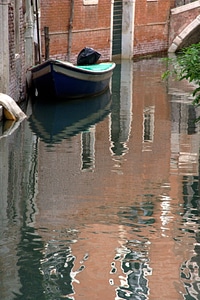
(117, 27)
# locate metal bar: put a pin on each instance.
(47, 39)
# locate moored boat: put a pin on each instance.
(60, 79)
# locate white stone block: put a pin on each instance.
(1, 112)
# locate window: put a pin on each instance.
(90, 2)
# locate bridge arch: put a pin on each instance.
(188, 36)
(184, 26)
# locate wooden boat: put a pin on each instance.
(63, 119)
(64, 80)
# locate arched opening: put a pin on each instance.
(190, 35)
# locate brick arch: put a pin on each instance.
(187, 36)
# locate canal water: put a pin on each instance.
(100, 198)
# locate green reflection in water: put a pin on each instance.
(44, 271)
(29, 253)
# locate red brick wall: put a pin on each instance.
(151, 26)
(91, 27)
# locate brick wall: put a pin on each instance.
(17, 72)
(151, 26)
(180, 21)
(90, 27)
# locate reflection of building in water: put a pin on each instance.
(143, 201)
(190, 269)
(103, 201)
(148, 127)
(185, 166)
(88, 149)
(135, 271)
(18, 178)
(56, 267)
(184, 146)
(134, 254)
(121, 116)
(135, 268)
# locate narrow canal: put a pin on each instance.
(100, 198)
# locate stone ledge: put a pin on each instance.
(185, 7)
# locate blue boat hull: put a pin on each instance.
(64, 80)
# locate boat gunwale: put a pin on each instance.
(70, 66)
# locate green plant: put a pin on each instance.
(186, 65)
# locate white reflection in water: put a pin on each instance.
(165, 217)
(134, 265)
(88, 150)
(191, 279)
(148, 127)
(121, 116)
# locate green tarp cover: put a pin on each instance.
(97, 67)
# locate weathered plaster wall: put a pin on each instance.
(4, 48)
(17, 71)
(12, 49)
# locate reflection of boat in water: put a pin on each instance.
(54, 121)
